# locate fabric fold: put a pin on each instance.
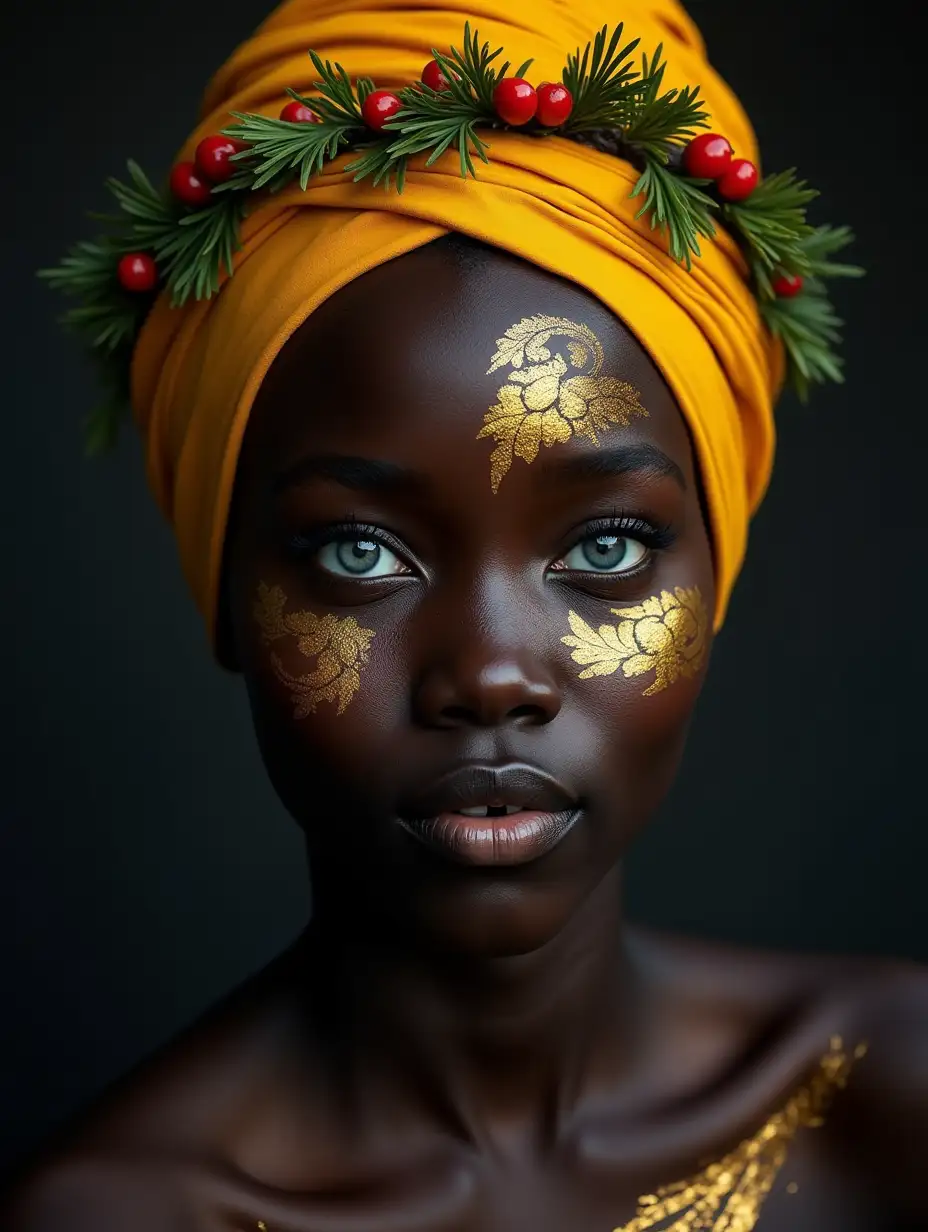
(559, 205)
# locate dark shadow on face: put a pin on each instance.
(364, 507)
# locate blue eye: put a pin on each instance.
(605, 554)
(359, 558)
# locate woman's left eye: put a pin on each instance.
(359, 558)
(604, 554)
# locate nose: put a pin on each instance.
(478, 678)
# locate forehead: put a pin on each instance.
(396, 366)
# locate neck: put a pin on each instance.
(485, 1040)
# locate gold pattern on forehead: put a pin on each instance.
(667, 635)
(540, 404)
(727, 1196)
(339, 645)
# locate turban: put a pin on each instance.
(562, 206)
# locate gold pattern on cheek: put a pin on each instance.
(541, 404)
(338, 644)
(729, 1194)
(667, 635)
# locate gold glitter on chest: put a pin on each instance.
(541, 404)
(727, 1196)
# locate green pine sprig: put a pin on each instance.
(280, 151)
(807, 324)
(195, 248)
(656, 125)
(658, 122)
(192, 249)
(603, 82)
(382, 166)
(425, 124)
(677, 205)
(471, 75)
(771, 224)
(439, 120)
(108, 316)
(810, 330)
(820, 244)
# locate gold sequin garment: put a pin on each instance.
(727, 1196)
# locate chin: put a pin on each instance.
(493, 916)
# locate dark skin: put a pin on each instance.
(451, 1048)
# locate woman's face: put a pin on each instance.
(413, 540)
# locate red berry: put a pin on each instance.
(299, 113)
(739, 181)
(137, 272)
(708, 156)
(555, 103)
(434, 76)
(515, 100)
(379, 107)
(787, 285)
(187, 186)
(212, 158)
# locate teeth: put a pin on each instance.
(487, 810)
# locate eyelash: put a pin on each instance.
(304, 545)
(632, 525)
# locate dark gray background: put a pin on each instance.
(145, 866)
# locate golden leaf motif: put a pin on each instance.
(578, 353)
(666, 635)
(541, 404)
(340, 645)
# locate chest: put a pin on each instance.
(802, 1192)
(785, 1176)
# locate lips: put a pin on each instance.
(514, 814)
(479, 785)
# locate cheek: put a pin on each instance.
(660, 641)
(324, 695)
(642, 740)
(638, 678)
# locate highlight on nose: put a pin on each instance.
(503, 692)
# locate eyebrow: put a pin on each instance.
(362, 474)
(620, 460)
(372, 475)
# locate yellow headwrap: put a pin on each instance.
(559, 205)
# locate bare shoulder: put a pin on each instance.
(886, 1106)
(877, 1130)
(143, 1155)
(796, 988)
(77, 1190)
(798, 1003)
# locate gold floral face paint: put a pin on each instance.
(667, 635)
(339, 645)
(541, 404)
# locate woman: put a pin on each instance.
(461, 481)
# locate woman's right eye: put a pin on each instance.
(360, 558)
